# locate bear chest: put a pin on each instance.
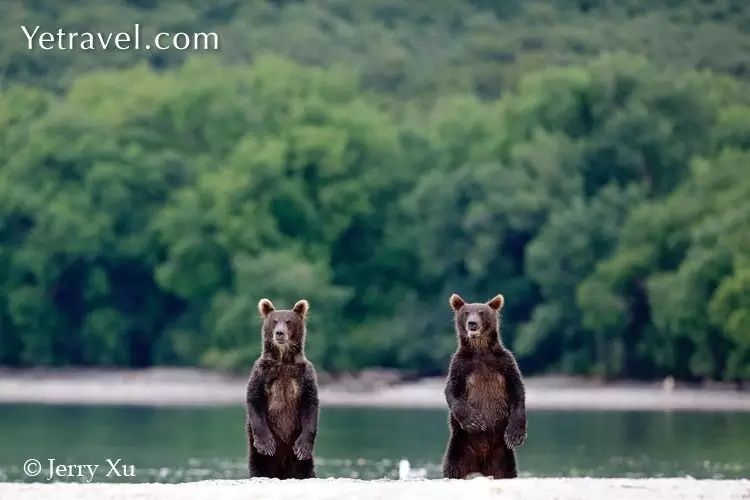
(486, 391)
(283, 395)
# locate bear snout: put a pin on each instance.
(279, 336)
(473, 324)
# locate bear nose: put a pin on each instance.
(472, 325)
(279, 334)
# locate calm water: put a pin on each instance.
(183, 444)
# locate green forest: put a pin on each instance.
(589, 159)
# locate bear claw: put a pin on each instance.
(265, 445)
(514, 436)
(303, 449)
(473, 422)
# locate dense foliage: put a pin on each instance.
(374, 157)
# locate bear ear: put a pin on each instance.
(265, 307)
(497, 302)
(456, 302)
(301, 307)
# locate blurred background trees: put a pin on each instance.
(588, 159)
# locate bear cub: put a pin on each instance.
(485, 396)
(282, 398)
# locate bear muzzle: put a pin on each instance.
(280, 337)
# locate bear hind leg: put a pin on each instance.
(262, 465)
(502, 465)
(459, 462)
(303, 469)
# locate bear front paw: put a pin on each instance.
(265, 444)
(515, 435)
(472, 421)
(303, 448)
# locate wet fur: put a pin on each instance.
(486, 398)
(282, 402)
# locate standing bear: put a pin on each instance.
(485, 395)
(282, 398)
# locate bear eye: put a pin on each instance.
(288, 322)
(481, 314)
(274, 322)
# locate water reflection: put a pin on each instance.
(188, 444)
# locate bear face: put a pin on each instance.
(477, 324)
(283, 330)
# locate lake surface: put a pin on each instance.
(188, 444)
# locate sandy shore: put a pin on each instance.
(478, 489)
(189, 387)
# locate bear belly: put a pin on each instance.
(283, 403)
(486, 392)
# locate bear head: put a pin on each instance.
(283, 330)
(477, 325)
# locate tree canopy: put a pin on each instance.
(374, 157)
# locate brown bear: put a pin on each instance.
(485, 396)
(282, 398)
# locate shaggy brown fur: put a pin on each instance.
(282, 398)
(485, 396)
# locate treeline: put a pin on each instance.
(145, 210)
(400, 48)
